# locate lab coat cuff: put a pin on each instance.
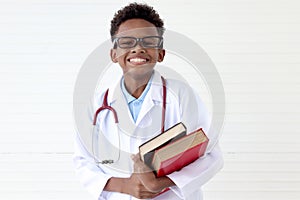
(177, 191)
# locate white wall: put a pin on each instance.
(254, 44)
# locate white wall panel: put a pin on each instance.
(253, 43)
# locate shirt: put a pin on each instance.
(135, 104)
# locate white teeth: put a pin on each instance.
(137, 60)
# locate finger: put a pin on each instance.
(136, 157)
(138, 164)
(147, 194)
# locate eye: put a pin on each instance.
(126, 42)
(151, 41)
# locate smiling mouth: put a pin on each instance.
(138, 61)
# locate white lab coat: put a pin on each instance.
(182, 105)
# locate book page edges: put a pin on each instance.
(164, 137)
(186, 142)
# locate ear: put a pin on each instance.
(161, 55)
(113, 55)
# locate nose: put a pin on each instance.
(138, 49)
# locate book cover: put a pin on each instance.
(178, 154)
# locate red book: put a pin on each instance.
(180, 153)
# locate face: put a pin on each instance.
(137, 62)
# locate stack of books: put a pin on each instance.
(173, 149)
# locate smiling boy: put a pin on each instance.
(136, 59)
(137, 36)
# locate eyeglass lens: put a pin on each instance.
(148, 42)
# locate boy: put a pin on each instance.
(138, 99)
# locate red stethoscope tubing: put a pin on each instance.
(106, 106)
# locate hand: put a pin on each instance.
(134, 187)
(148, 178)
(141, 184)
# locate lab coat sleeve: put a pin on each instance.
(90, 175)
(193, 176)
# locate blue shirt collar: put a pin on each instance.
(129, 98)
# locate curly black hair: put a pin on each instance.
(133, 11)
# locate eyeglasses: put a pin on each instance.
(146, 42)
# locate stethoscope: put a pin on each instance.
(110, 108)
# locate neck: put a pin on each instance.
(136, 86)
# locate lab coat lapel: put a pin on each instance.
(119, 103)
(148, 122)
(150, 114)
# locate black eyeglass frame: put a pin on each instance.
(138, 40)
